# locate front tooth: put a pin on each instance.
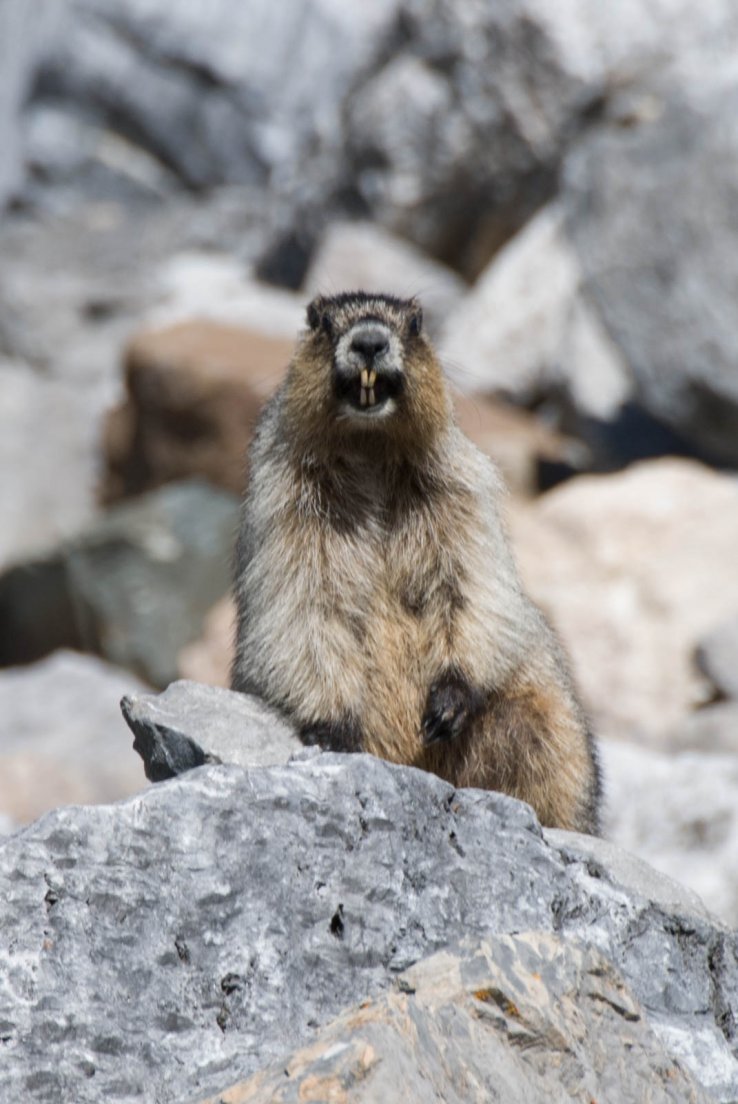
(364, 398)
(371, 396)
(365, 378)
(372, 379)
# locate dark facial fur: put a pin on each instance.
(364, 370)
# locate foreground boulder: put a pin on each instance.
(678, 809)
(171, 945)
(537, 1019)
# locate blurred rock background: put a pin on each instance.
(557, 182)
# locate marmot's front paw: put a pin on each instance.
(451, 704)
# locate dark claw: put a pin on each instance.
(450, 706)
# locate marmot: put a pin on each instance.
(378, 603)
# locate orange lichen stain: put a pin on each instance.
(494, 996)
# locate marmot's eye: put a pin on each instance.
(416, 323)
(326, 326)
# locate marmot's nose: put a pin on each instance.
(370, 342)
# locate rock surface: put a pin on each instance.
(520, 1018)
(190, 724)
(169, 945)
(676, 809)
(133, 588)
(62, 739)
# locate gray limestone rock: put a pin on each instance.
(134, 587)
(191, 724)
(185, 938)
(528, 1019)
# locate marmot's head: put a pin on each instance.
(365, 367)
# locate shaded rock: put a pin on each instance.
(191, 724)
(457, 139)
(133, 588)
(678, 811)
(209, 658)
(634, 569)
(156, 76)
(717, 657)
(194, 392)
(365, 257)
(520, 1018)
(174, 942)
(528, 332)
(650, 204)
(446, 121)
(62, 740)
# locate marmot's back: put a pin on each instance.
(378, 602)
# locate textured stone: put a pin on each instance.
(134, 587)
(194, 393)
(181, 940)
(62, 739)
(190, 724)
(634, 569)
(519, 1018)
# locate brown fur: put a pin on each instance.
(375, 583)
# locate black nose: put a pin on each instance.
(370, 343)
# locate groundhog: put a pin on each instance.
(379, 606)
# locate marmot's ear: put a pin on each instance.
(313, 314)
(416, 320)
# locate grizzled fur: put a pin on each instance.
(378, 603)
